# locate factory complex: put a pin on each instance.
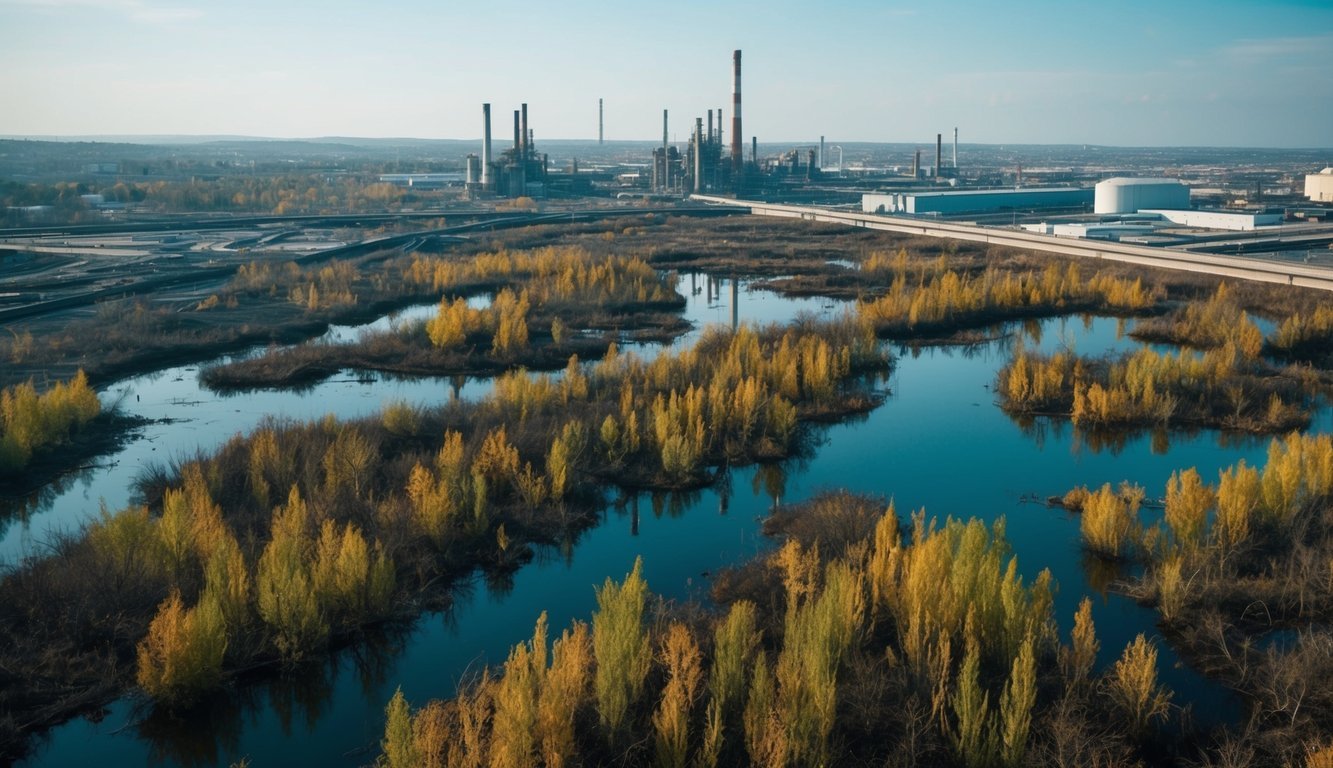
(1258, 200)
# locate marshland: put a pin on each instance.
(334, 538)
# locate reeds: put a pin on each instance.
(35, 423)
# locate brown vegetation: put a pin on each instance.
(877, 650)
(33, 424)
(933, 300)
(297, 537)
(1229, 387)
(545, 302)
(1241, 572)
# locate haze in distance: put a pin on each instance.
(1183, 73)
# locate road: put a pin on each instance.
(1242, 268)
(123, 285)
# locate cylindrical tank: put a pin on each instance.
(473, 169)
(1127, 195)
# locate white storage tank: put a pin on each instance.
(1319, 186)
(1125, 195)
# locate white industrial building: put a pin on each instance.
(1112, 230)
(1127, 195)
(1319, 186)
(1240, 221)
(976, 200)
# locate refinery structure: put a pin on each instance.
(1248, 202)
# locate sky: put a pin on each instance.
(1120, 72)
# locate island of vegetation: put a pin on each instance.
(862, 638)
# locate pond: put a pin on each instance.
(938, 442)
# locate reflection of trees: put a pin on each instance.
(1032, 329)
(303, 690)
(374, 656)
(1161, 442)
(722, 483)
(205, 735)
(673, 503)
(209, 734)
(18, 509)
(1101, 440)
(1100, 572)
(1039, 428)
(771, 480)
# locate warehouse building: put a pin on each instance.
(1126, 195)
(1240, 221)
(976, 201)
(1113, 230)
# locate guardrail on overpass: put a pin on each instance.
(1165, 258)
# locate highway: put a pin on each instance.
(1304, 275)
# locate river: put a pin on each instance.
(939, 441)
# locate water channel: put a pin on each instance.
(938, 442)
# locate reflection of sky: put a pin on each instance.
(938, 442)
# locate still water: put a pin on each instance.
(938, 442)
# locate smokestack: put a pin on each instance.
(666, 166)
(916, 164)
(518, 143)
(955, 150)
(486, 146)
(698, 155)
(600, 135)
(754, 150)
(719, 126)
(821, 153)
(525, 147)
(710, 126)
(737, 150)
(939, 153)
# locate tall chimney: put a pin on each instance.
(600, 135)
(666, 165)
(518, 143)
(485, 146)
(698, 155)
(525, 146)
(821, 153)
(916, 164)
(737, 150)
(955, 149)
(754, 149)
(710, 126)
(939, 153)
(719, 127)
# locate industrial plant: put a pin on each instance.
(1088, 192)
(1273, 202)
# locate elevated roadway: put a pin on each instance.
(1242, 268)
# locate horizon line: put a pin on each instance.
(144, 139)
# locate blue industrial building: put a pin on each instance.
(976, 201)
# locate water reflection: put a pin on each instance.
(937, 442)
(1101, 573)
(205, 737)
(771, 480)
(299, 699)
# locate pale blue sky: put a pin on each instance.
(1169, 72)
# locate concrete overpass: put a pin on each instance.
(1304, 275)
